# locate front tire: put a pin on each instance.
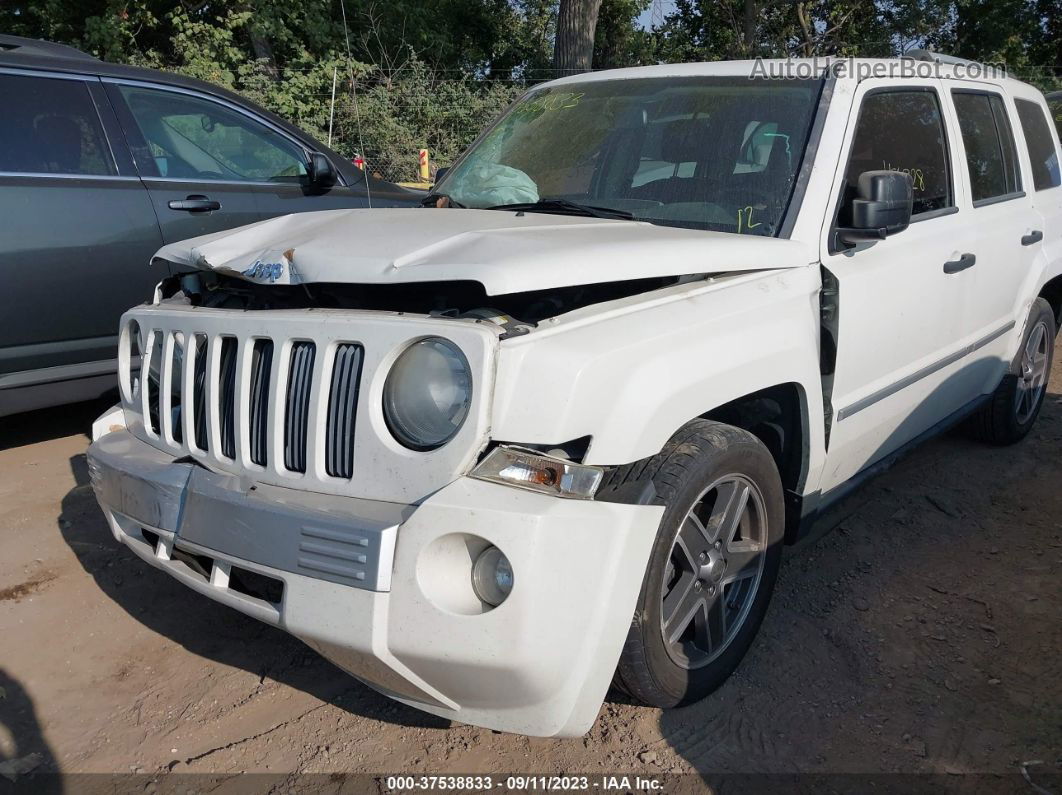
(1013, 408)
(713, 566)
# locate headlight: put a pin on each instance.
(427, 394)
(492, 576)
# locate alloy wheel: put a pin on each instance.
(714, 571)
(1033, 375)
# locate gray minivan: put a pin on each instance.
(102, 164)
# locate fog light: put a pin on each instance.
(492, 576)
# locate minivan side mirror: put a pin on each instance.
(882, 207)
(440, 173)
(321, 171)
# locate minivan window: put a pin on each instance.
(711, 153)
(1040, 142)
(901, 131)
(991, 157)
(191, 138)
(50, 126)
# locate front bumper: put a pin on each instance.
(384, 590)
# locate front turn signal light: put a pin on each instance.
(529, 469)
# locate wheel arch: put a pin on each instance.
(776, 415)
(1052, 293)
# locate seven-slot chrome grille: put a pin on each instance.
(223, 390)
(293, 397)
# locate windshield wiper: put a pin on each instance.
(566, 207)
(433, 197)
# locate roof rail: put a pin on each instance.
(18, 45)
(929, 55)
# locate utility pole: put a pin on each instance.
(332, 109)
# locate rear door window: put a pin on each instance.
(991, 157)
(1041, 144)
(50, 126)
(902, 130)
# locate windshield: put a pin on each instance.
(718, 153)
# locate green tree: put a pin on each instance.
(618, 40)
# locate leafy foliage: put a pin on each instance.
(432, 73)
(1026, 35)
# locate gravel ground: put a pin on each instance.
(920, 635)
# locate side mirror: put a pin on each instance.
(882, 207)
(321, 171)
(440, 173)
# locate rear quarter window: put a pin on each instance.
(1041, 144)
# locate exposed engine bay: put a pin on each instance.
(443, 298)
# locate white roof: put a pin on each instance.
(813, 66)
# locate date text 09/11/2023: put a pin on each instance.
(604, 783)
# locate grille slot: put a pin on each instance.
(300, 379)
(227, 397)
(342, 408)
(150, 375)
(178, 360)
(199, 409)
(261, 365)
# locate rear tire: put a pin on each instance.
(712, 568)
(1013, 408)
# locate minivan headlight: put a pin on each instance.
(427, 394)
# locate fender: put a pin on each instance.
(630, 373)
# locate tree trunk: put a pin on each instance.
(263, 52)
(574, 50)
(263, 48)
(808, 44)
(748, 31)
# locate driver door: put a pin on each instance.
(207, 165)
(899, 320)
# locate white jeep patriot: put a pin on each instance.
(552, 431)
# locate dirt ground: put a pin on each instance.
(921, 635)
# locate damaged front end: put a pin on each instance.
(312, 437)
(518, 313)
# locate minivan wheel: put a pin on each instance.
(1013, 408)
(713, 565)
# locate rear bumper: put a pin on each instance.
(384, 590)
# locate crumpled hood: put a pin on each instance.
(504, 251)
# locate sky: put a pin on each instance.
(663, 7)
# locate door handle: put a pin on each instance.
(195, 204)
(1032, 238)
(960, 264)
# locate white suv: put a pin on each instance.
(553, 431)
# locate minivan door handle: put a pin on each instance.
(960, 264)
(1032, 238)
(195, 204)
